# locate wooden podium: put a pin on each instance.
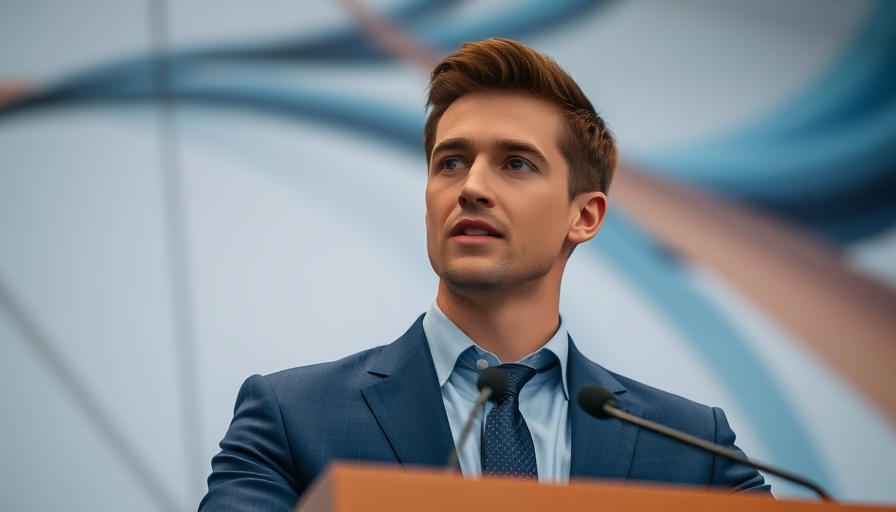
(353, 487)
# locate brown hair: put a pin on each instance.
(505, 65)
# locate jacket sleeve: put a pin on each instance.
(730, 474)
(254, 470)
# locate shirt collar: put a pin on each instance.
(447, 342)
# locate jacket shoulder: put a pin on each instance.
(700, 420)
(348, 373)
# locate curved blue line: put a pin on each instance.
(808, 164)
(851, 88)
(351, 45)
(348, 46)
(860, 88)
(826, 160)
(519, 23)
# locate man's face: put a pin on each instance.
(498, 213)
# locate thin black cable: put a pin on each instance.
(175, 222)
(40, 343)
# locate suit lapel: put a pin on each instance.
(600, 448)
(407, 402)
(408, 406)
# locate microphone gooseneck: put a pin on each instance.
(601, 404)
(492, 385)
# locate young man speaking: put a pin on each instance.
(519, 166)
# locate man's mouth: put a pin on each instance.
(475, 228)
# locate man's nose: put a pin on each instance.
(476, 189)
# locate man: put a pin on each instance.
(519, 165)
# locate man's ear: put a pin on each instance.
(589, 211)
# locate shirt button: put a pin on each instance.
(482, 364)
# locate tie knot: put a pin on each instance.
(517, 377)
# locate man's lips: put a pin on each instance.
(475, 227)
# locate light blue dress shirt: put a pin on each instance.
(544, 400)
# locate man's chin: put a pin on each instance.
(473, 280)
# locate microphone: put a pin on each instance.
(492, 385)
(601, 404)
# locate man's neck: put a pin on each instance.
(509, 327)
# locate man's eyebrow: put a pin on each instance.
(455, 144)
(519, 146)
(506, 145)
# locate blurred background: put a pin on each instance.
(193, 191)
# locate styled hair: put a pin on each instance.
(505, 65)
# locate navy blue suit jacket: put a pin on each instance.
(385, 405)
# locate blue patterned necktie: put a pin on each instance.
(507, 447)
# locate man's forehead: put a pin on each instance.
(504, 118)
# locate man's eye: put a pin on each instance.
(451, 163)
(518, 164)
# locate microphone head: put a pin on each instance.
(496, 379)
(593, 399)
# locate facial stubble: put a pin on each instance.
(498, 278)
